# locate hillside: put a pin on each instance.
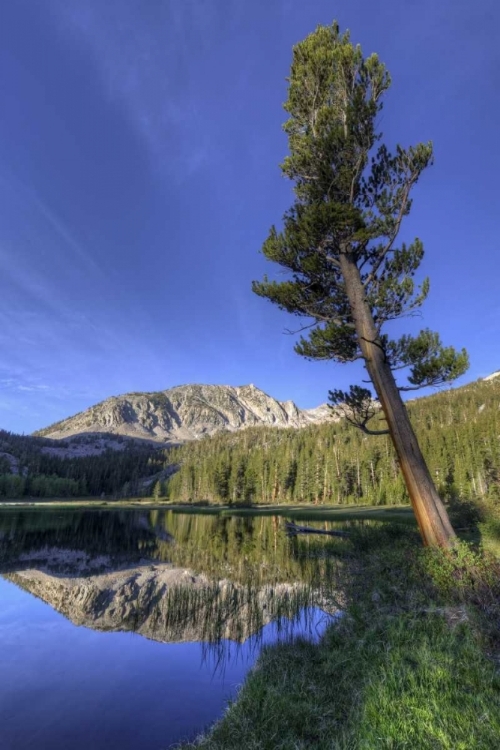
(184, 413)
(325, 462)
(78, 466)
(458, 429)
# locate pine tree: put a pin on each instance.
(347, 277)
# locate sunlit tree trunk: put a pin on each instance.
(431, 515)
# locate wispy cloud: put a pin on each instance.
(145, 56)
(26, 199)
(64, 233)
(33, 388)
(22, 381)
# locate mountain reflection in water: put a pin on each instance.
(218, 584)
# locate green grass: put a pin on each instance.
(405, 684)
(410, 665)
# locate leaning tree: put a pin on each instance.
(345, 274)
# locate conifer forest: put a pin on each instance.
(332, 463)
(459, 431)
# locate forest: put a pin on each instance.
(40, 473)
(332, 463)
(335, 463)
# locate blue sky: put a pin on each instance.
(139, 152)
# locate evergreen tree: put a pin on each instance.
(347, 277)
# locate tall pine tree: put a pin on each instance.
(346, 276)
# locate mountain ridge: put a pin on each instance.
(186, 412)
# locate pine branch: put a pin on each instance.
(289, 332)
(362, 426)
(388, 247)
(357, 407)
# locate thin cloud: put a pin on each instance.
(64, 233)
(33, 388)
(26, 197)
(144, 59)
(18, 384)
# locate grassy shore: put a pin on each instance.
(412, 664)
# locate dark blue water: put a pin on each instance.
(71, 687)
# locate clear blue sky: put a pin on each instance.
(139, 151)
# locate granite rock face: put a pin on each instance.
(186, 412)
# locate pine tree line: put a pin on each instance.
(42, 474)
(333, 463)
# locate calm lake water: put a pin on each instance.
(132, 629)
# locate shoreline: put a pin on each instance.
(390, 513)
(412, 663)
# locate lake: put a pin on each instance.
(133, 628)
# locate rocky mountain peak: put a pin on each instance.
(185, 412)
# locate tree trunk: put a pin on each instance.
(431, 515)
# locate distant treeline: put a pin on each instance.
(40, 474)
(333, 463)
(459, 431)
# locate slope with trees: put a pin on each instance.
(42, 473)
(335, 463)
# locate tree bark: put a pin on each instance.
(431, 515)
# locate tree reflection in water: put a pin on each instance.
(170, 576)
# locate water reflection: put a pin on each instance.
(171, 577)
(214, 588)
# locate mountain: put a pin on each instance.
(186, 412)
(327, 462)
